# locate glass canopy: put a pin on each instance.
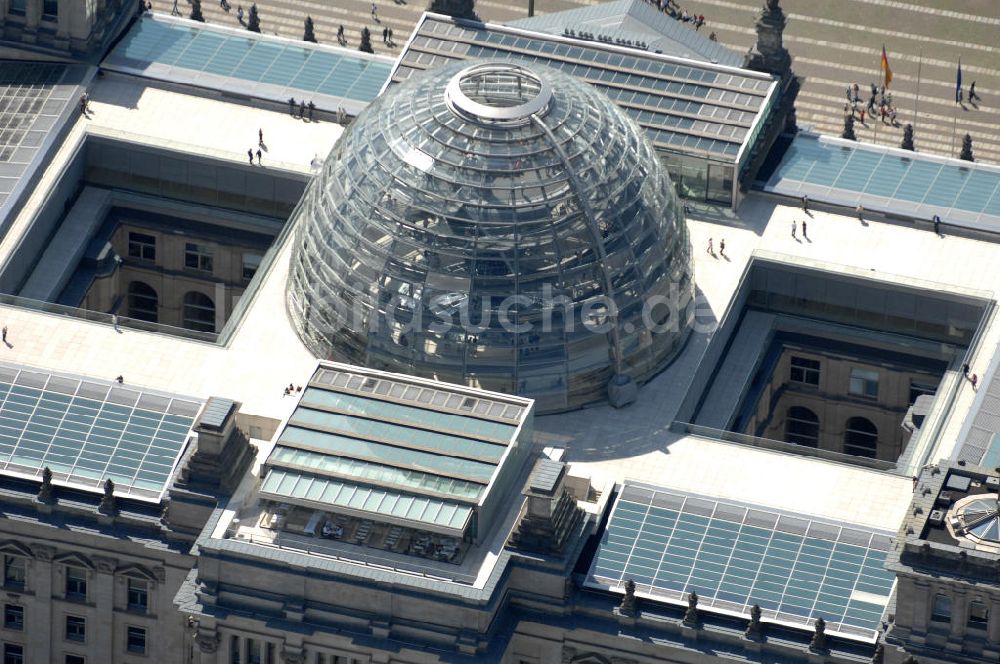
(497, 226)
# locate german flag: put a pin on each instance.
(886, 72)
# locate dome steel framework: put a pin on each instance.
(498, 226)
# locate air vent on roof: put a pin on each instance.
(369, 384)
(993, 483)
(936, 518)
(943, 499)
(469, 403)
(956, 525)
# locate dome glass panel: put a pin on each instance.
(499, 226)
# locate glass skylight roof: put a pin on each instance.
(160, 47)
(878, 178)
(87, 431)
(980, 519)
(684, 106)
(380, 446)
(796, 568)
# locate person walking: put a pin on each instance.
(260, 137)
(805, 232)
(291, 106)
(5, 334)
(861, 213)
(937, 231)
(805, 204)
(965, 369)
(722, 247)
(390, 42)
(258, 157)
(250, 156)
(972, 92)
(340, 35)
(711, 249)
(312, 111)
(374, 13)
(975, 381)
(794, 227)
(385, 35)
(862, 116)
(239, 13)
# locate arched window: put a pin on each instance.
(861, 437)
(143, 303)
(199, 312)
(802, 427)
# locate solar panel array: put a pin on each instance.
(88, 431)
(683, 107)
(734, 556)
(206, 56)
(884, 179)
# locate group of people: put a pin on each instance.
(880, 102)
(674, 10)
(302, 108)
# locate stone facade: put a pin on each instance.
(948, 588)
(822, 385)
(75, 28)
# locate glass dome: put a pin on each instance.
(498, 226)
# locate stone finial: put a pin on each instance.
(818, 641)
(755, 630)
(691, 615)
(768, 54)
(107, 505)
(45, 493)
(627, 606)
(911, 660)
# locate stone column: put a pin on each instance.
(40, 617)
(207, 646)
(993, 628)
(959, 616)
(32, 17)
(103, 596)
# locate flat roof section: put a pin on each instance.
(382, 446)
(735, 555)
(685, 106)
(86, 431)
(915, 184)
(182, 51)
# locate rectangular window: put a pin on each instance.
(75, 659)
(14, 572)
(138, 595)
(253, 651)
(13, 617)
(13, 653)
(805, 371)
(250, 264)
(50, 10)
(941, 611)
(197, 257)
(269, 654)
(135, 640)
(76, 628)
(142, 246)
(920, 389)
(17, 7)
(234, 650)
(864, 383)
(76, 583)
(979, 615)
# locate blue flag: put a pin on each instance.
(958, 84)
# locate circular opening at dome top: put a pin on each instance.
(498, 93)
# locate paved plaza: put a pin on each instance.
(834, 44)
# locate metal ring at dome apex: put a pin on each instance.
(460, 102)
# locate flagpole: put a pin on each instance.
(954, 125)
(916, 100)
